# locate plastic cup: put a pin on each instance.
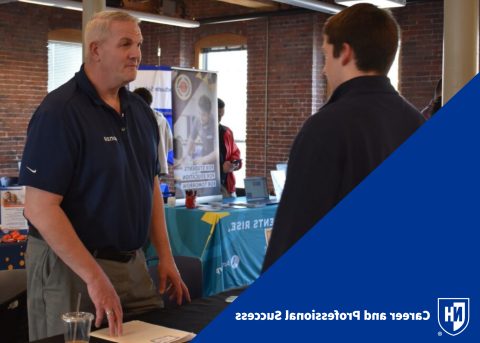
(77, 325)
(171, 201)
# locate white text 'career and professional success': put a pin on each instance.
(356, 315)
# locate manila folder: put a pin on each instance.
(140, 332)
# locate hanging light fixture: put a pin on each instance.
(314, 5)
(378, 3)
(152, 18)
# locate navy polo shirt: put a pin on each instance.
(102, 163)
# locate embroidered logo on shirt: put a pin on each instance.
(110, 139)
(33, 171)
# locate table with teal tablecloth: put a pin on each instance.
(231, 243)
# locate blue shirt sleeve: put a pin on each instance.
(51, 150)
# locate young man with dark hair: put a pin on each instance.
(229, 155)
(363, 122)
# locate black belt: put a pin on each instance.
(110, 255)
(113, 255)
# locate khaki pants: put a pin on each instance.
(53, 288)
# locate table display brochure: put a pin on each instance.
(140, 332)
(11, 209)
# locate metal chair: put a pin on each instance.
(190, 269)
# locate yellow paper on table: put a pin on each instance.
(140, 332)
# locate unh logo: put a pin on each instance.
(453, 314)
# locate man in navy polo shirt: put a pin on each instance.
(363, 122)
(90, 166)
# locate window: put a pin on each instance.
(227, 54)
(64, 56)
(64, 60)
(231, 65)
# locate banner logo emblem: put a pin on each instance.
(235, 261)
(453, 314)
(183, 87)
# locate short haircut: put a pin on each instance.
(98, 27)
(144, 94)
(372, 33)
(221, 104)
(205, 104)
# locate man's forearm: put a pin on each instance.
(158, 228)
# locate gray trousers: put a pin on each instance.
(53, 288)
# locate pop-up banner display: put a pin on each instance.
(195, 131)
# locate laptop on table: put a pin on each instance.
(256, 191)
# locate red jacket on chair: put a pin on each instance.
(233, 153)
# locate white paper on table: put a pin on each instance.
(140, 332)
(210, 208)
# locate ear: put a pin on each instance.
(94, 51)
(346, 55)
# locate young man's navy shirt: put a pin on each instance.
(364, 121)
(101, 162)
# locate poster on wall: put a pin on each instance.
(12, 205)
(195, 135)
(158, 80)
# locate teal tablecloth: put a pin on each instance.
(231, 243)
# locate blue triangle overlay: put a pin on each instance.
(406, 236)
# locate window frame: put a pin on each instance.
(219, 40)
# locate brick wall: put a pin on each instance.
(23, 71)
(295, 84)
(422, 50)
(289, 87)
(319, 84)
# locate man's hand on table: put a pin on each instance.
(106, 302)
(167, 270)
